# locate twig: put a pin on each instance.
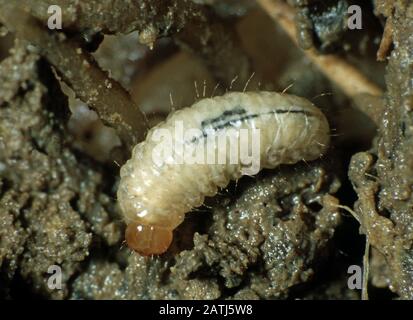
(343, 74)
(78, 69)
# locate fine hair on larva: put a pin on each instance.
(154, 197)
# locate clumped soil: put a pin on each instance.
(278, 235)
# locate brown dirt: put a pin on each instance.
(277, 235)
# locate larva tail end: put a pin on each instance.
(148, 240)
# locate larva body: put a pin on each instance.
(154, 197)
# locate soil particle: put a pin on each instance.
(118, 16)
(258, 246)
(49, 201)
(386, 173)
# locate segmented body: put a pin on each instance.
(154, 197)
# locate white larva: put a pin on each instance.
(154, 198)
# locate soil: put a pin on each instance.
(277, 235)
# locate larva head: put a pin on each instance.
(148, 239)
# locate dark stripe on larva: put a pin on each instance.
(212, 123)
(236, 111)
